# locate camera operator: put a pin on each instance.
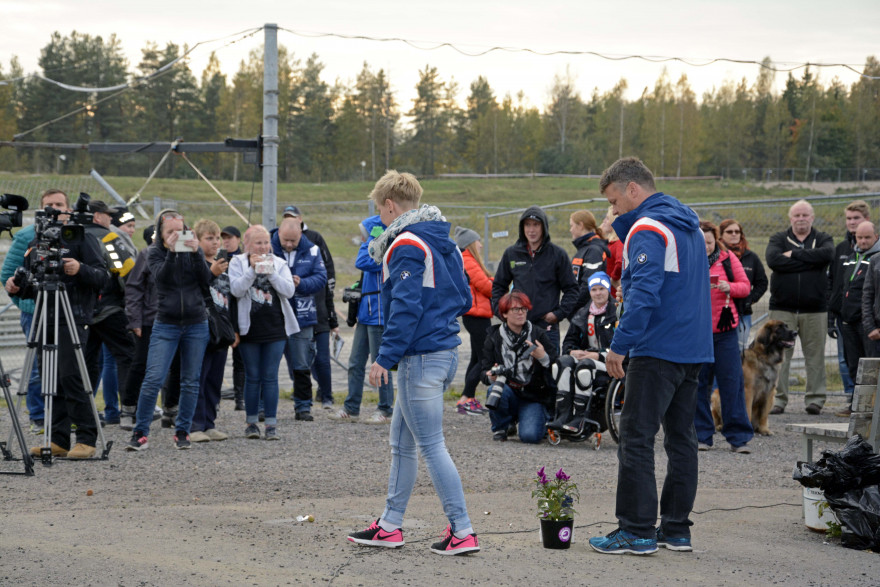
(83, 274)
(522, 354)
(15, 259)
(108, 327)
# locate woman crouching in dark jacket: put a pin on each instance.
(581, 368)
(516, 364)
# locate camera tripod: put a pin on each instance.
(52, 293)
(16, 431)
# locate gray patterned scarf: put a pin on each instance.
(381, 243)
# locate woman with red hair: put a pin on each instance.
(522, 354)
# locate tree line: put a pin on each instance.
(354, 130)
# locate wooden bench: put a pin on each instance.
(822, 432)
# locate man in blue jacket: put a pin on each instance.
(367, 334)
(310, 277)
(15, 259)
(424, 290)
(666, 329)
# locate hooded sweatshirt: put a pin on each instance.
(424, 291)
(543, 274)
(666, 310)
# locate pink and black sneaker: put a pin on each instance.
(450, 545)
(376, 536)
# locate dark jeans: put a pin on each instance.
(321, 367)
(658, 393)
(72, 404)
(855, 346)
(477, 329)
(727, 369)
(532, 416)
(132, 388)
(112, 332)
(210, 382)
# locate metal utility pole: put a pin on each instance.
(270, 125)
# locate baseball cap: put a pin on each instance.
(231, 231)
(292, 212)
(99, 206)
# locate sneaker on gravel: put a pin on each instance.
(449, 545)
(214, 434)
(138, 442)
(37, 427)
(272, 433)
(199, 436)
(81, 451)
(252, 431)
(304, 416)
(342, 416)
(474, 407)
(327, 405)
(622, 542)
(182, 440)
(378, 418)
(703, 446)
(679, 544)
(742, 449)
(376, 536)
(126, 422)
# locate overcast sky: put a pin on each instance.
(788, 31)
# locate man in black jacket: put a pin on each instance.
(83, 275)
(542, 271)
(799, 257)
(855, 213)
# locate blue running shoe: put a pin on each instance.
(622, 542)
(680, 544)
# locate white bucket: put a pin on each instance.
(812, 498)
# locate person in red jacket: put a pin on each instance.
(614, 266)
(728, 280)
(478, 319)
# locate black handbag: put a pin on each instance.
(221, 332)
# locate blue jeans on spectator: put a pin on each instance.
(365, 345)
(742, 331)
(417, 424)
(261, 362)
(210, 382)
(727, 368)
(848, 385)
(300, 352)
(321, 367)
(532, 416)
(34, 398)
(164, 342)
(109, 385)
(657, 392)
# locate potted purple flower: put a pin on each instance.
(556, 498)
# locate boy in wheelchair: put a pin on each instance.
(580, 376)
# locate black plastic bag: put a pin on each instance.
(850, 481)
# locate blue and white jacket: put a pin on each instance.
(370, 309)
(306, 262)
(424, 291)
(667, 313)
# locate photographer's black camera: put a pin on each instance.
(53, 236)
(13, 218)
(351, 294)
(493, 394)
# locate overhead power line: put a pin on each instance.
(693, 62)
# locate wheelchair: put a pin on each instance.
(588, 402)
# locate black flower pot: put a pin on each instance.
(557, 534)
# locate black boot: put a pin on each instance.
(563, 410)
(576, 423)
(238, 386)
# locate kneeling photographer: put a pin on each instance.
(61, 254)
(516, 365)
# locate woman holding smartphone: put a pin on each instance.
(181, 274)
(262, 284)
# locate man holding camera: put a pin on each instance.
(107, 326)
(82, 274)
(15, 259)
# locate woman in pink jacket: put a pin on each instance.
(728, 280)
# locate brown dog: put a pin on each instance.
(760, 364)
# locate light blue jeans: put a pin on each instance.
(366, 343)
(164, 340)
(743, 329)
(34, 397)
(417, 423)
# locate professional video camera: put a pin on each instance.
(51, 236)
(10, 220)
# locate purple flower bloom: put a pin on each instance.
(560, 474)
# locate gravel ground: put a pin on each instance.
(224, 512)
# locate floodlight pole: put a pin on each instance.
(270, 125)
